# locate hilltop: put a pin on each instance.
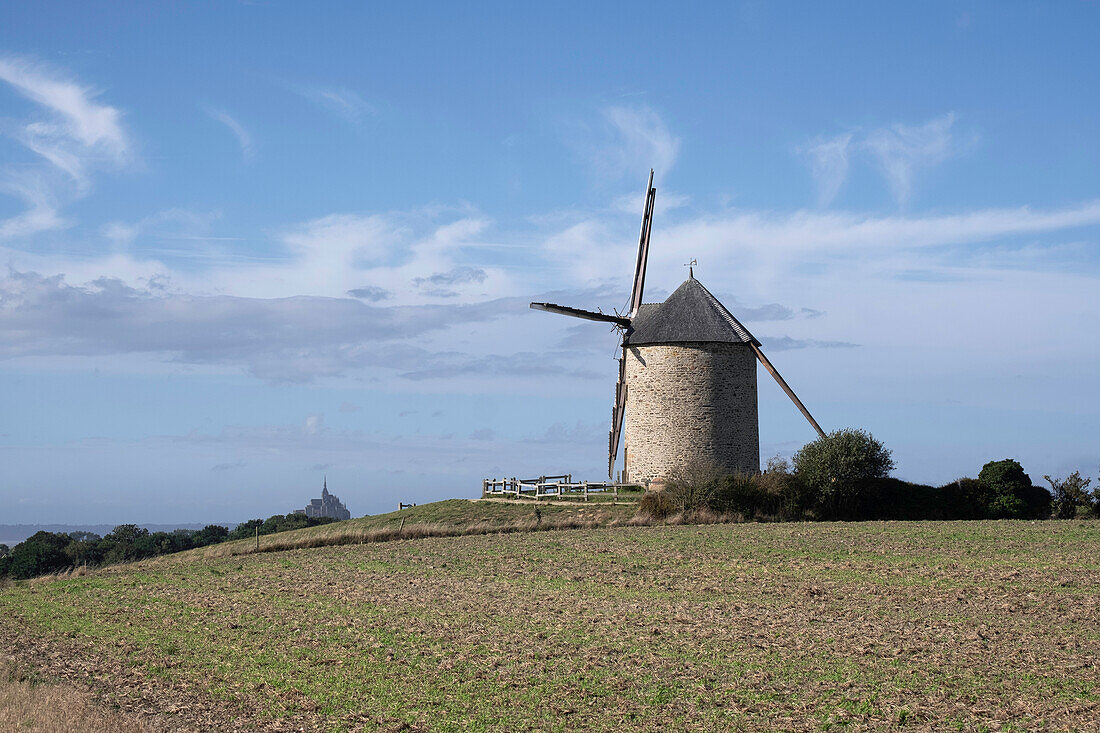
(760, 626)
(450, 517)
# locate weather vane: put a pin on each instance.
(691, 266)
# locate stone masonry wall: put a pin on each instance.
(688, 401)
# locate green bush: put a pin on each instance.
(740, 494)
(964, 498)
(840, 469)
(892, 498)
(1070, 493)
(1009, 493)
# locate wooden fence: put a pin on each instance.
(554, 487)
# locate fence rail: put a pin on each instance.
(559, 487)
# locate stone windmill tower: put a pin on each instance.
(688, 374)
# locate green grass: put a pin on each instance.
(453, 516)
(762, 626)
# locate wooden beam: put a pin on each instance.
(581, 313)
(790, 393)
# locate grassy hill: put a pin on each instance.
(452, 517)
(964, 625)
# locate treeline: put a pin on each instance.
(846, 475)
(51, 552)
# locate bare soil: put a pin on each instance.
(937, 625)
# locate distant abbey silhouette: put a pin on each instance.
(329, 505)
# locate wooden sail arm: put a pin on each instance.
(638, 286)
(616, 427)
(579, 313)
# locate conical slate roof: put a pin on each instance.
(691, 313)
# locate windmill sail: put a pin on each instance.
(643, 248)
(617, 418)
(580, 313)
(622, 322)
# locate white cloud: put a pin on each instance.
(76, 136)
(341, 101)
(899, 150)
(829, 165)
(169, 224)
(244, 139)
(41, 214)
(290, 339)
(81, 118)
(843, 233)
(645, 140)
(902, 150)
(625, 143)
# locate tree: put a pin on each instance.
(84, 548)
(210, 534)
(1096, 498)
(1069, 493)
(840, 468)
(41, 553)
(1010, 492)
(245, 530)
(127, 542)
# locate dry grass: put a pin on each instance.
(451, 518)
(875, 625)
(31, 705)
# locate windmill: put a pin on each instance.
(690, 367)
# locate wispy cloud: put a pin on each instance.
(829, 164)
(624, 142)
(74, 135)
(902, 150)
(79, 116)
(846, 232)
(42, 212)
(899, 150)
(341, 101)
(244, 139)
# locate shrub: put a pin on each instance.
(656, 505)
(741, 494)
(1069, 494)
(892, 498)
(839, 469)
(784, 495)
(693, 486)
(964, 498)
(1009, 493)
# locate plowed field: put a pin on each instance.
(965, 625)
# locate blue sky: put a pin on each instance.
(244, 246)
